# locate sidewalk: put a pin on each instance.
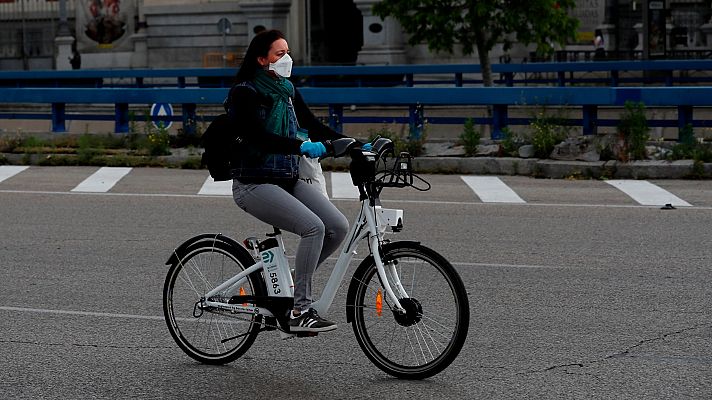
(683, 169)
(445, 158)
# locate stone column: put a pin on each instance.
(267, 14)
(706, 30)
(139, 57)
(382, 40)
(639, 30)
(64, 52)
(64, 40)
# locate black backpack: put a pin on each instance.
(220, 141)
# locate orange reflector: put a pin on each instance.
(242, 293)
(379, 303)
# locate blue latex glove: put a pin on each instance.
(367, 147)
(313, 150)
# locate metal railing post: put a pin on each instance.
(336, 115)
(499, 121)
(58, 118)
(590, 119)
(189, 123)
(684, 118)
(121, 121)
(416, 121)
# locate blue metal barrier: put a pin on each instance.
(415, 99)
(665, 72)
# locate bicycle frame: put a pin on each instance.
(371, 223)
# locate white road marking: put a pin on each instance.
(342, 187)
(102, 180)
(213, 188)
(81, 313)
(394, 202)
(647, 194)
(8, 171)
(491, 189)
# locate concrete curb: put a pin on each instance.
(682, 169)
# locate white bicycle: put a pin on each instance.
(406, 303)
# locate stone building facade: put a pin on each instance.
(214, 33)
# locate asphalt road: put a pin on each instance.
(578, 293)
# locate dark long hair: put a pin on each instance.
(259, 47)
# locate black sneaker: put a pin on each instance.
(310, 321)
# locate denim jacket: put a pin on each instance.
(253, 163)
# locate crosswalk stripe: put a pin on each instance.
(102, 180)
(647, 194)
(213, 188)
(491, 189)
(342, 187)
(8, 171)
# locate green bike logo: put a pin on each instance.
(267, 257)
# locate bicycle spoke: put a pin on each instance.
(436, 332)
(434, 321)
(425, 339)
(410, 343)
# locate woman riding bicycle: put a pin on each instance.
(275, 124)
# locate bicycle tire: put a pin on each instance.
(200, 267)
(429, 337)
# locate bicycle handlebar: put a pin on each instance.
(364, 165)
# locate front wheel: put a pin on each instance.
(426, 338)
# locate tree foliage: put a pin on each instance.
(481, 24)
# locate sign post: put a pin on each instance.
(224, 27)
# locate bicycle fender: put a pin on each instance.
(195, 239)
(361, 271)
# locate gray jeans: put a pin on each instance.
(303, 210)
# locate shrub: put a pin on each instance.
(689, 148)
(470, 137)
(547, 132)
(158, 142)
(511, 142)
(400, 141)
(633, 132)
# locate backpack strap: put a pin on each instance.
(228, 99)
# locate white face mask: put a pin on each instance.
(283, 66)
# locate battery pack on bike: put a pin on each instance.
(278, 278)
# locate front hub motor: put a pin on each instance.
(413, 312)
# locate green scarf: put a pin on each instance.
(280, 90)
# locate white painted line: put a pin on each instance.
(647, 194)
(394, 202)
(102, 315)
(342, 187)
(81, 313)
(491, 189)
(102, 180)
(8, 171)
(213, 188)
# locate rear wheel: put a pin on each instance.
(210, 336)
(430, 334)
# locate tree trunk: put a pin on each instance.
(483, 54)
